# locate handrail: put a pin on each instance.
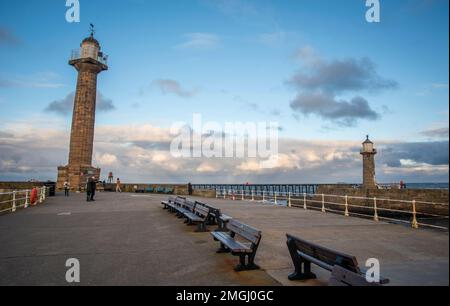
(22, 198)
(349, 205)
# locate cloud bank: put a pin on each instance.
(140, 153)
(320, 82)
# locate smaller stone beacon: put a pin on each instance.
(368, 152)
(89, 61)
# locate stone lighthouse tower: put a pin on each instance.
(89, 61)
(368, 152)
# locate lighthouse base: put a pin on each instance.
(77, 176)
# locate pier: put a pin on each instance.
(128, 239)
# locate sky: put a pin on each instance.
(317, 67)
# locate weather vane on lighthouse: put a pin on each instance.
(91, 29)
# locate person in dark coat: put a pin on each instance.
(93, 188)
(89, 189)
(190, 190)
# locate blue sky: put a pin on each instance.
(233, 61)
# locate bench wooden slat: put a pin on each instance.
(232, 244)
(325, 255)
(244, 231)
(193, 217)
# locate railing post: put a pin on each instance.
(347, 214)
(414, 224)
(289, 200)
(13, 209)
(26, 199)
(375, 208)
(304, 201)
(323, 203)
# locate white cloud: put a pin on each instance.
(200, 41)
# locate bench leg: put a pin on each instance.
(201, 228)
(302, 267)
(222, 249)
(241, 266)
(251, 263)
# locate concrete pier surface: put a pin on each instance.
(128, 239)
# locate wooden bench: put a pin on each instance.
(216, 218)
(250, 239)
(171, 203)
(185, 207)
(345, 269)
(198, 216)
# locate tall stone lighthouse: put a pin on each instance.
(368, 152)
(89, 61)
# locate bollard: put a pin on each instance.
(44, 193)
(224, 194)
(26, 200)
(275, 195)
(414, 224)
(375, 207)
(253, 195)
(41, 199)
(289, 200)
(323, 203)
(13, 209)
(346, 206)
(243, 195)
(264, 196)
(305, 207)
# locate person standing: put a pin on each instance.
(118, 185)
(66, 188)
(190, 190)
(88, 189)
(93, 188)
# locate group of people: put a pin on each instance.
(91, 187)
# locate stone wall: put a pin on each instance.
(391, 198)
(19, 185)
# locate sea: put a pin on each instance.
(427, 185)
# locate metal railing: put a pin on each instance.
(102, 58)
(22, 199)
(415, 213)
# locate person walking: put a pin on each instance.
(66, 188)
(118, 185)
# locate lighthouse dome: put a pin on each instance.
(90, 48)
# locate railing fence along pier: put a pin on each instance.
(413, 212)
(22, 198)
